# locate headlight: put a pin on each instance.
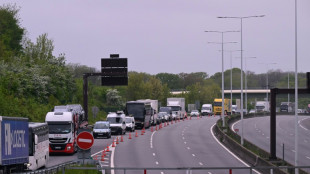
(69, 148)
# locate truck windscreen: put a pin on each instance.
(136, 110)
(175, 108)
(217, 103)
(114, 120)
(59, 128)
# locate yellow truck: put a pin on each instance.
(217, 106)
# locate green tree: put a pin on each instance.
(11, 33)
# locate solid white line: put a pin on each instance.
(301, 125)
(112, 158)
(229, 150)
(233, 126)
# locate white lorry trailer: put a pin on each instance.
(206, 109)
(262, 106)
(178, 106)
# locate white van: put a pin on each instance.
(117, 122)
(206, 109)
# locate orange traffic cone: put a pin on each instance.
(102, 157)
(171, 121)
(190, 117)
(108, 150)
(156, 128)
(113, 144)
(129, 135)
(117, 140)
(122, 140)
(136, 133)
(142, 132)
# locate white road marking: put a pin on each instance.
(307, 157)
(233, 126)
(162, 173)
(153, 154)
(305, 141)
(156, 162)
(188, 148)
(183, 138)
(151, 140)
(263, 134)
(200, 163)
(267, 137)
(193, 154)
(301, 125)
(293, 151)
(228, 149)
(184, 142)
(209, 173)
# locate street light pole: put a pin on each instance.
(296, 94)
(241, 18)
(246, 83)
(222, 43)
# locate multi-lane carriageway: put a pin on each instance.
(183, 144)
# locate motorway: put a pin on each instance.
(257, 131)
(188, 143)
(184, 144)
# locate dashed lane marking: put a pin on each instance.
(193, 155)
(188, 148)
(200, 163)
(153, 154)
(307, 157)
(184, 142)
(156, 162)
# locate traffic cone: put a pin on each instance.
(165, 124)
(179, 119)
(136, 133)
(103, 153)
(152, 129)
(142, 132)
(129, 135)
(117, 140)
(168, 123)
(102, 157)
(122, 139)
(95, 158)
(108, 150)
(156, 128)
(113, 144)
(171, 121)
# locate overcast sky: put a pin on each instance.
(168, 35)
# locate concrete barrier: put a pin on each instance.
(248, 156)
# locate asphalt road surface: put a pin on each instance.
(257, 131)
(184, 144)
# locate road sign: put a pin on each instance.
(114, 71)
(85, 140)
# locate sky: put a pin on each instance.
(168, 36)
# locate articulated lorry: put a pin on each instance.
(287, 107)
(63, 131)
(14, 153)
(177, 106)
(262, 106)
(217, 106)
